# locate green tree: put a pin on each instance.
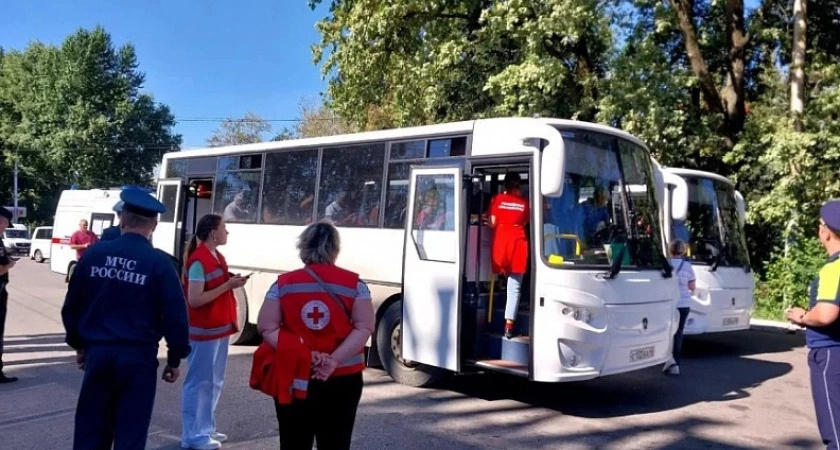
(248, 130)
(75, 114)
(410, 63)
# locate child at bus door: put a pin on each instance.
(509, 214)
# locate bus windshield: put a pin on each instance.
(608, 208)
(712, 227)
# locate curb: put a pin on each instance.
(774, 326)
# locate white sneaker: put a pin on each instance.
(221, 437)
(668, 364)
(674, 370)
(212, 444)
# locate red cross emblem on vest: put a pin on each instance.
(315, 315)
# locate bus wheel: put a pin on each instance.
(389, 343)
(247, 331)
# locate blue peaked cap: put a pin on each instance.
(830, 213)
(141, 203)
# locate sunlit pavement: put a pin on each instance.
(741, 390)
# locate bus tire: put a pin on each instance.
(388, 341)
(247, 331)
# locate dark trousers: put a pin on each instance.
(824, 363)
(327, 415)
(678, 336)
(4, 304)
(116, 400)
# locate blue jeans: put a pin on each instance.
(514, 284)
(202, 386)
(678, 336)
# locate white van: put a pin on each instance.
(41, 244)
(16, 239)
(94, 205)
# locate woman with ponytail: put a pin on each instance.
(212, 311)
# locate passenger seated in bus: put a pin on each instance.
(596, 218)
(431, 215)
(239, 210)
(336, 212)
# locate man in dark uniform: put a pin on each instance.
(822, 333)
(6, 264)
(124, 296)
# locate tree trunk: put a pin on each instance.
(797, 67)
(730, 101)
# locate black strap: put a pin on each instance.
(680, 266)
(328, 291)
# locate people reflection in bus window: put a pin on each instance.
(238, 210)
(338, 211)
(431, 215)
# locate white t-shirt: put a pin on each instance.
(684, 274)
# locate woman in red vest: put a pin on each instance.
(212, 311)
(509, 213)
(330, 309)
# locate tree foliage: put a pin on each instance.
(249, 129)
(315, 120)
(74, 114)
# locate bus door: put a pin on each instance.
(432, 268)
(167, 235)
(198, 203)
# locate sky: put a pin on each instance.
(204, 59)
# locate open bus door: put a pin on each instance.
(432, 268)
(167, 235)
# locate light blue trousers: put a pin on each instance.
(514, 284)
(202, 386)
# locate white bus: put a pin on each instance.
(598, 298)
(712, 224)
(95, 206)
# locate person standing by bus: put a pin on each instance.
(688, 282)
(213, 318)
(822, 334)
(6, 264)
(331, 310)
(509, 213)
(124, 297)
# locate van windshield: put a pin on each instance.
(16, 234)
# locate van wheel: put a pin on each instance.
(247, 331)
(389, 346)
(70, 271)
(39, 258)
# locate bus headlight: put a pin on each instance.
(581, 314)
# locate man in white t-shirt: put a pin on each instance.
(684, 274)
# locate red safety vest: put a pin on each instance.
(282, 373)
(216, 319)
(311, 313)
(510, 244)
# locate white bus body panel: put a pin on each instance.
(723, 300)
(73, 206)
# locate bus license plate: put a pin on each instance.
(729, 321)
(641, 354)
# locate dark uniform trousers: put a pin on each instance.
(4, 303)
(117, 397)
(824, 363)
(327, 415)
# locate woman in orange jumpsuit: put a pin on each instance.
(509, 214)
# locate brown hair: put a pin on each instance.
(206, 224)
(677, 247)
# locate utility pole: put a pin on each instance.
(15, 212)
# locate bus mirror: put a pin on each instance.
(742, 208)
(553, 168)
(679, 195)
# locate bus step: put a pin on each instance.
(515, 350)
(500, 365)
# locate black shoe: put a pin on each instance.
(508, 333)
(5, 379)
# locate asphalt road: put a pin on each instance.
(741, 390)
